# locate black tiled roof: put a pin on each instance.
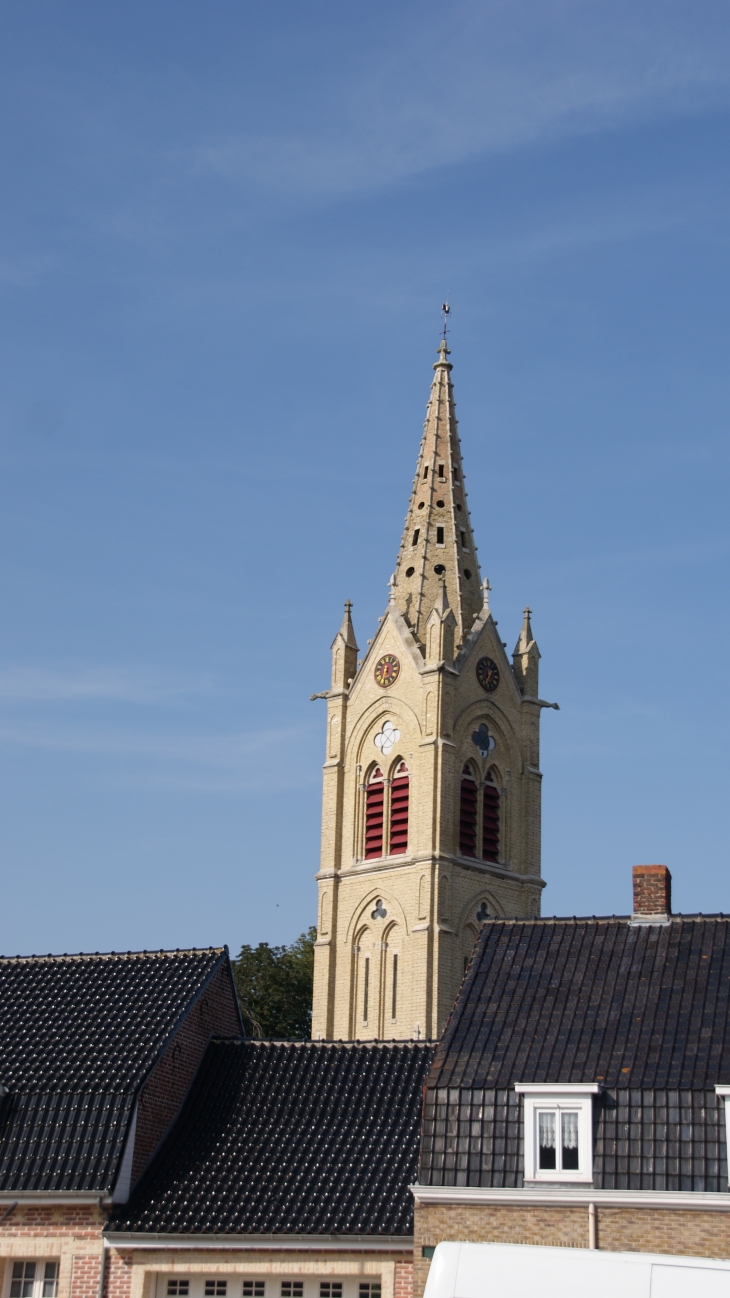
(553, 1000)
(78, 1036)
(303, 1138)
(641, 1009)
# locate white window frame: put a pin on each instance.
(723, 1093)
(40, 1263)
(575, 1097)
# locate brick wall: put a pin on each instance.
(118, 1275)
(214, 1014)
(691, 1233)
(652, 890)
(403, 1280)
(71, 1235)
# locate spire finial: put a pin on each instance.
(445, 313)
(443, 351)
(486, 588)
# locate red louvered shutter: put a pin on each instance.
(374, 815)
(399, 812)
(490, 829)
(468, 815)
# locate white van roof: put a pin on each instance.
(531, 1271)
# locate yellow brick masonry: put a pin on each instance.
(68, 1234)
(145, 1266)
(72, 1236)
(438, 629)
(691, 1233)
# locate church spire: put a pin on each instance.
(438, 542)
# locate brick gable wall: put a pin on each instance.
(214, 1014)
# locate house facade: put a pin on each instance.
(97, 1054)
(578, 1096)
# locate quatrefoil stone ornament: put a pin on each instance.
(482, 739)
(387, 738)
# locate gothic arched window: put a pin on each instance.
(399, 811)
(374, 797)
(468, 814)
(490, 822)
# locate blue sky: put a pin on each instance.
(225, 235)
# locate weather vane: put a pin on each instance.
(445, 313)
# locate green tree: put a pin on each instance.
(274, 988)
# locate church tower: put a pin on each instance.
(431, 801)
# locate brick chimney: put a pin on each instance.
(652, 893)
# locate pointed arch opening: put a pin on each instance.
(374, 807)
(468, 813)
(490, 817)
(399, 797)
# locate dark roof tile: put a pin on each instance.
(305, 1137)
(553, 1000)
(78, 1036)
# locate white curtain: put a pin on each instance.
(547, 1130)
(570, 1130)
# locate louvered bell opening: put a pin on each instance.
(399, 812)
(490, 831)
(374, 816)
(468, 817)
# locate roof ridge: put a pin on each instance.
(114, 955)
(536, 920)
(385, 1043)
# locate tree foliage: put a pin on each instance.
(274, 988)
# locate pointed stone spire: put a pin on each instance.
(525, 658)
(438, 541)
(526, 637)
(344, 652)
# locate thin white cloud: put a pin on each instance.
(41, 685)
(242, 760)
(487, 78)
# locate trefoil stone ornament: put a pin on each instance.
(380, 912)
(482, 739)
(387, 738)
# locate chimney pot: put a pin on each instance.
(652, 893)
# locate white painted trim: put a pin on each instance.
(282, 1243)
(565, 1196)
(120, 1193)
(723, 1093)
(558, 1088)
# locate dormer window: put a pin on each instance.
(558, 1131)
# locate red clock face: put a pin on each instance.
(488, 674)
(387, 670)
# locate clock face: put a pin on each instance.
(387, 670)
(488, 674)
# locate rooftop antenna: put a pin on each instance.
(445, 313)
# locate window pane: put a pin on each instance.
(546, 1127)
(50, 1277)
(569, 1127)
